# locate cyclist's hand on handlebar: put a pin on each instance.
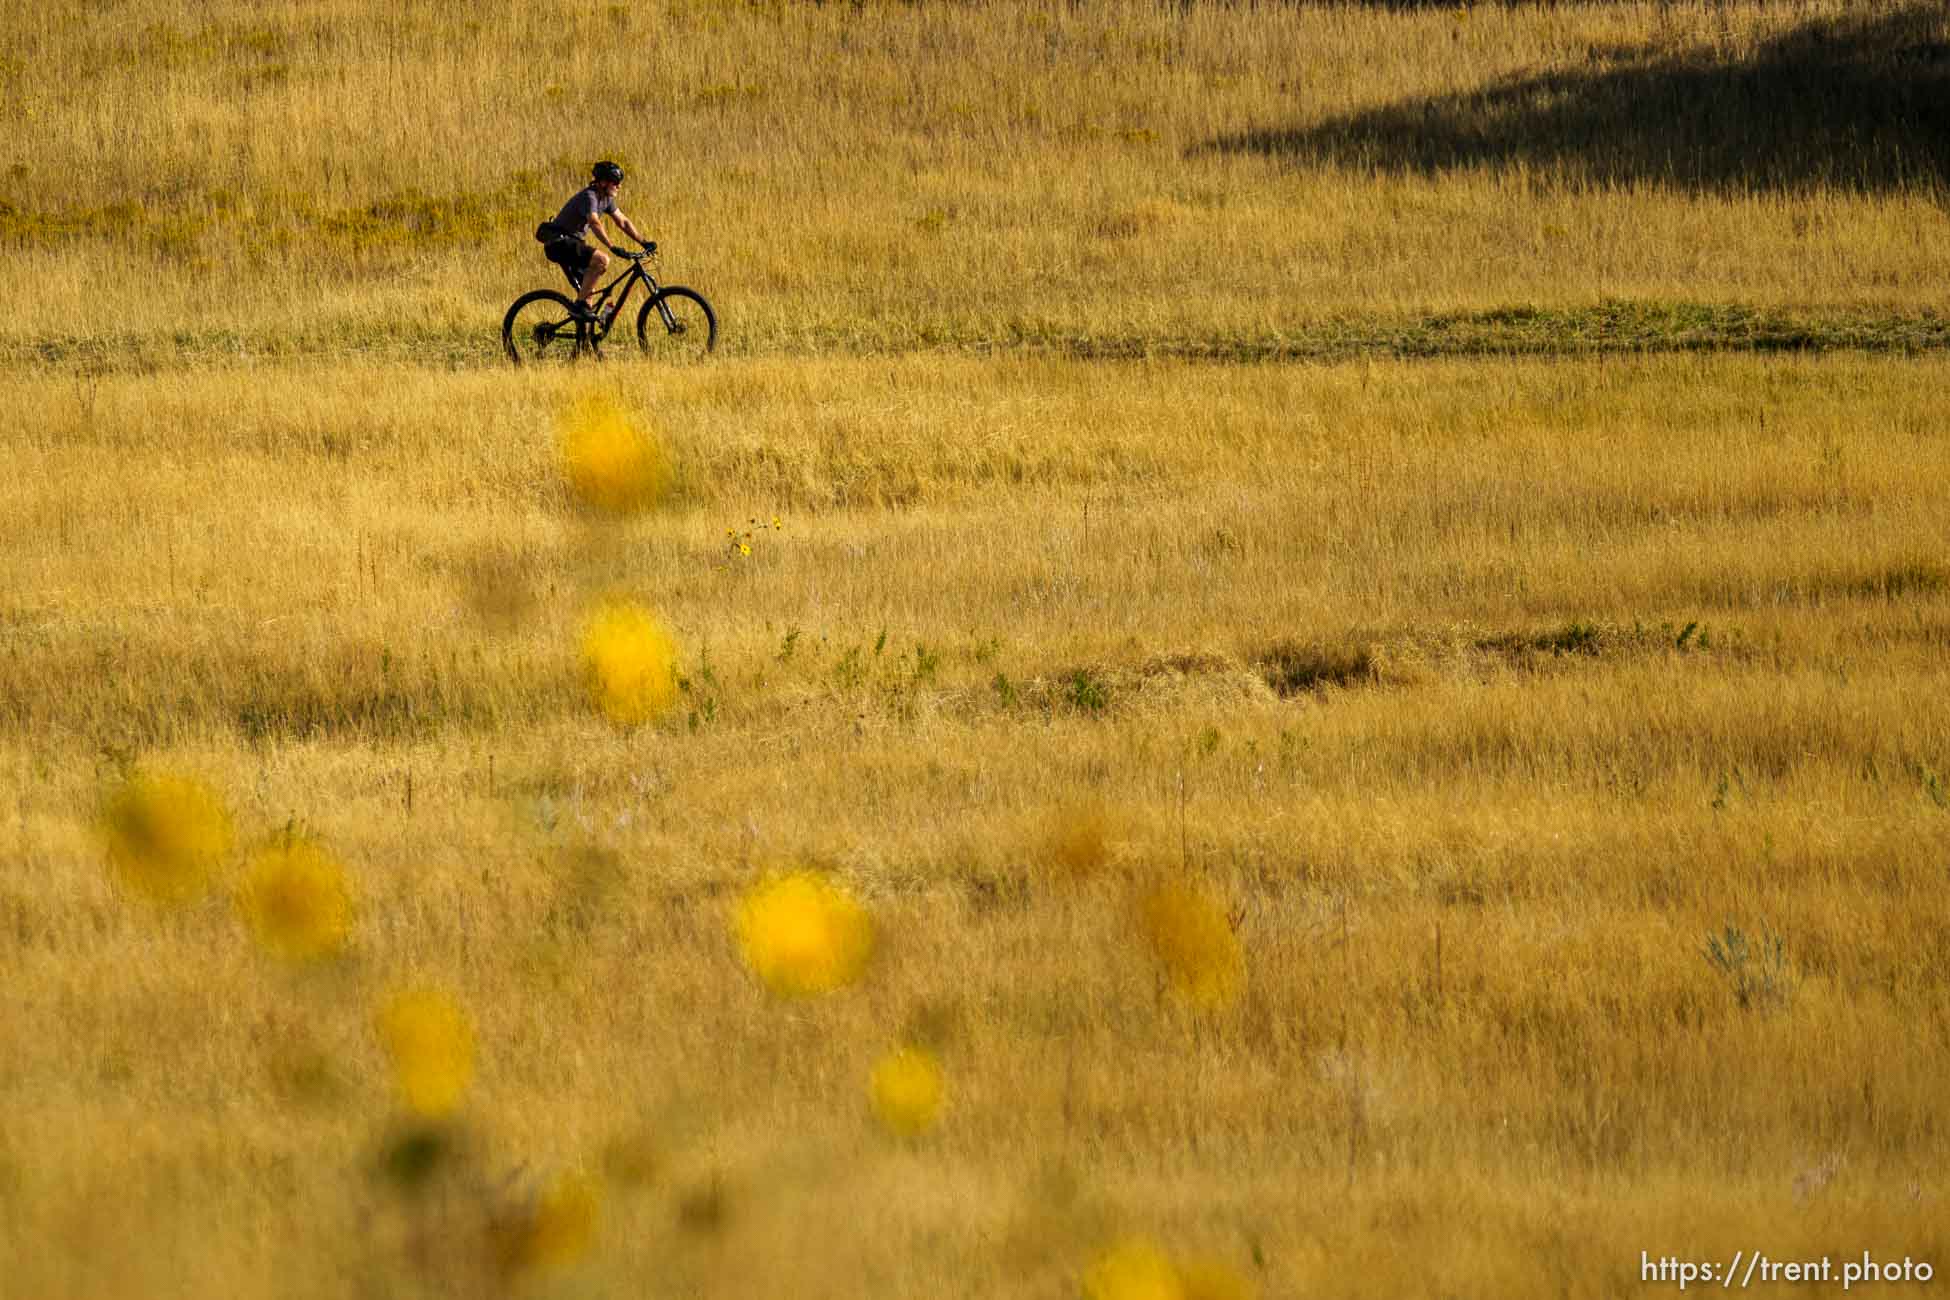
(650, 247)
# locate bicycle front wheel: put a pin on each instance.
(677, 325)
(539, 330)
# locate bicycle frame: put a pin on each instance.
(607, 314)
(542, 317)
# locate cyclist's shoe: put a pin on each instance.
(581, 312)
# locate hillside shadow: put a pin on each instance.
(1851, 102)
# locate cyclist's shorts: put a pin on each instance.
(572, 255)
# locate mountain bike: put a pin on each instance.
(675, 324)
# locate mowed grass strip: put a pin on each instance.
(1608, 328)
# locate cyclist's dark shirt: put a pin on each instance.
(572, 222)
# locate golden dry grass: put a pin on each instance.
(1377, 828)
(217, 179)
(1395, 659)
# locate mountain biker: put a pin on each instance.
(564, 240)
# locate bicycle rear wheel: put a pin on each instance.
(539, 330)
(677, 325)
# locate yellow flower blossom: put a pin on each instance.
(296, 901)
(1134, 1269)
(1193, 940)
(908, 1091)
(553, 1231)
(1206, 1278)
(430, 1042)
(803, 935)
(165, 835)
(613, 462)
(631, 663)
(1077, 842)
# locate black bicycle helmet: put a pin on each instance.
(607, 171)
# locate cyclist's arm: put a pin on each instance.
(596, 226)
(628, 229)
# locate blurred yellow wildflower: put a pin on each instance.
(614, 463)
(430, 1041)
(1077, 843)
(633, 1160)
(802, 934)
(631, 663)
(498, 584)
(165, 834)
(907, 1090)
(1134, 1269)
(554, 1230)
(295, 900)
(1207, 1278)
(1193, 940)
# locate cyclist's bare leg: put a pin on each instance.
(592, 275)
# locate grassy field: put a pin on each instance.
(222, 179)
(1475, 596)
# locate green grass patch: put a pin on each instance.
(1602, 329)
